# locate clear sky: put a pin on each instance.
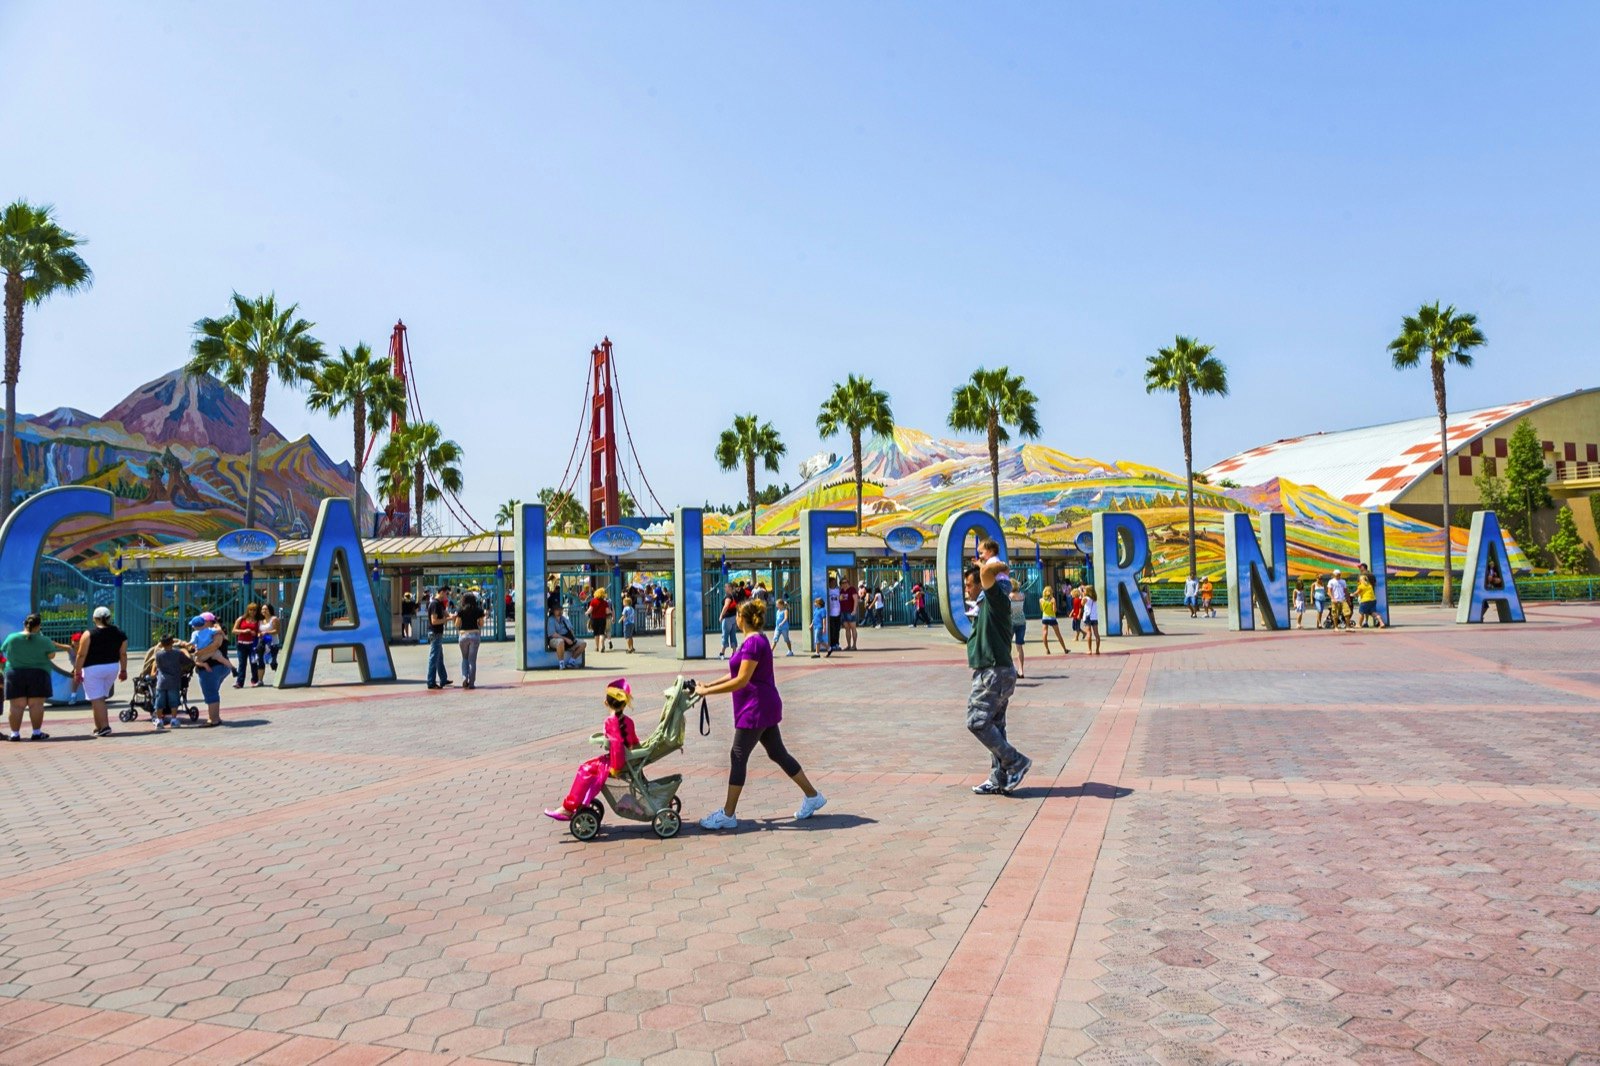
(754, 199)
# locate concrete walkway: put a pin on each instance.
(1307, 847)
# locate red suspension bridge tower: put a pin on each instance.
(605, 501)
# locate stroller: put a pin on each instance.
(634, 796)
(144, 692)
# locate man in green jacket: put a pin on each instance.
(993, 677)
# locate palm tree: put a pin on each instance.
(245, 350)
(39, 259)
(988, 403)
(747, 442)
(1186, 368)
(418, 461)
(851, 408)
(363, 384)
(506, 516)
(564, 515)
(1441, 337)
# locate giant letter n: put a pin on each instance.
(1257, 578)
(334, 541)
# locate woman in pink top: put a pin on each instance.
(757, 710)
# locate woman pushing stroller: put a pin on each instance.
(757, 710)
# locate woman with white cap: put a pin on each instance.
(102, 662)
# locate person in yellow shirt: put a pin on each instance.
(1367, 602)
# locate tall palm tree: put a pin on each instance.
(1441, 337)
(363, 384)
(420, 462)
(39, 259)
(747, 442)
(851, 408)
(1186, 368)
(988, 403)
(248, 347)
(506, 516)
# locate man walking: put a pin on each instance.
(1191, 595)
(438, 614)
(993, 678)
(835, 622)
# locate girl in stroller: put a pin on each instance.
(620, 736)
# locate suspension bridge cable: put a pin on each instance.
(616, 384)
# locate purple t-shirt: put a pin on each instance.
(757, 705)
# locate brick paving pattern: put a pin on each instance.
(1311, 847)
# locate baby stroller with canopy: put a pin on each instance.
(634, 795)
(144, 692)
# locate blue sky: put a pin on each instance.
(755, 199)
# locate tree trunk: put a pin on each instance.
(1185, 418)
(417, 488)
(258, 406)
(1444, 470)
(994, 463)
(356, 463)
(750, 488)
(855, 453)
(8, 444)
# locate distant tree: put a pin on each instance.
(1527, 481)
(38, 259)
(420, 462)
(1016, 522)
(1187, 368)
(505, 517)
(990, 402)
(627, 505)
(853, 408)
(364, 385)
(1566, 546)
(245, 349)
(1439, 338)
(748, 442)
(1037, 521)
(563, 513)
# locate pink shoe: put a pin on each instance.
(558, 815)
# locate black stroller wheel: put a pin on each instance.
(677, 806)
(585, 824)
(194, 714)
(599, 810)
(128, 714)
(666, 823)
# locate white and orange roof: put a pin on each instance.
(1368, 467)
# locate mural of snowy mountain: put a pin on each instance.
(175, 453)
(912, 478)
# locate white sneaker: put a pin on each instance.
(160, 725)
(810, 805)
(718, 820)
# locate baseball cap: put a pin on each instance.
(207, 616)
(197, 621)
(102, 612)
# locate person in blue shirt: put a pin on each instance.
(820, 648)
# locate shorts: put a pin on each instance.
(1077, 625)
(597, 627)
(99, 680)
(1188, 601)
(627, 630)
(167, 699)
(1019, 634)
(1048, 621)
(781, 633)
(1369, 607)
(28, 684)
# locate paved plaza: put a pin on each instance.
(1307, 847)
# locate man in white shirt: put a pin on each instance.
(1338, 597)
(1191, 595)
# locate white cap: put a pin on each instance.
(102, 612)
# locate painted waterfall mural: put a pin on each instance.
(175, 454)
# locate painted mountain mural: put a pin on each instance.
(912, 478)
(175, 454)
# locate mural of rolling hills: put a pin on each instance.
(912, 478)
(175, 454)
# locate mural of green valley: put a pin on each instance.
(915, 479)
(175, 454)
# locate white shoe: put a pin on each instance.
(718, 820)
(810, 805)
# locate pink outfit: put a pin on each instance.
(620, 736)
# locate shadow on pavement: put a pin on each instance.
(1090, 789)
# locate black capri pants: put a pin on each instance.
(744, 743)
